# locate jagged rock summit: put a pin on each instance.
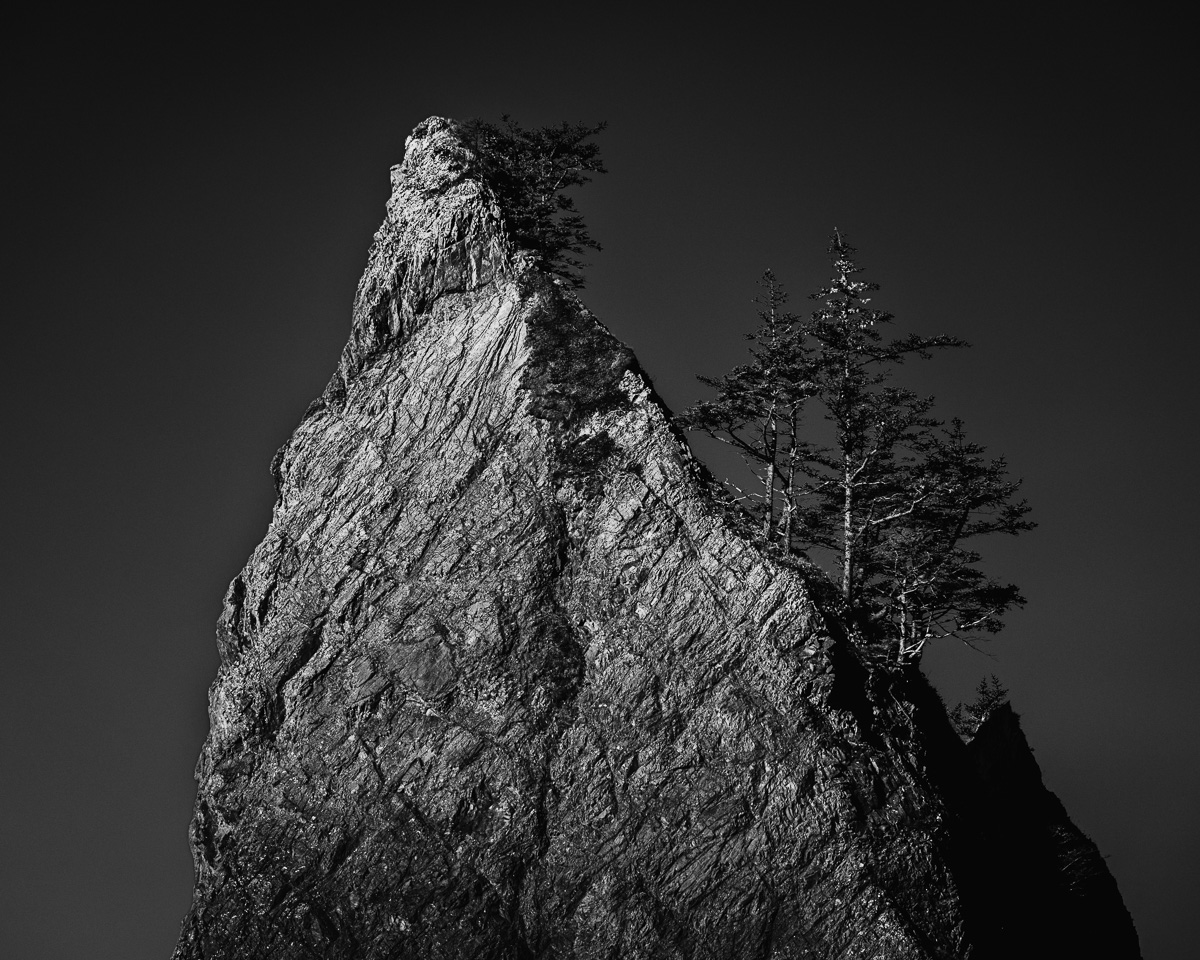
(502, 680)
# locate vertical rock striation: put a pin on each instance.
(502, 681)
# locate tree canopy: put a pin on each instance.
(530, 171)
(893, 496)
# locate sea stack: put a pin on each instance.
(503, 680)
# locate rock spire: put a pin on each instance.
(501, 681)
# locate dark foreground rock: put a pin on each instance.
(503, 681)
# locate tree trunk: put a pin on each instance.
(769, 483)
(847, 529)
(789, 502)
(848, 399)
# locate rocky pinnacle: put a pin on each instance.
(503, 680)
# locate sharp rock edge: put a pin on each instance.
(503, 681)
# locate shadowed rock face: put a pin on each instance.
(501, 681)
(1025, 854)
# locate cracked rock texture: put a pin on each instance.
(502, 680)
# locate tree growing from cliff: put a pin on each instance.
(896, 497)
(530, 171)
(758, 410)
(967, 717)
(922, 581)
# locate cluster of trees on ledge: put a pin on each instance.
(897, 498)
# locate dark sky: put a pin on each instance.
(189, 206)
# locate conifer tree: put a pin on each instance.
(757, 410)
(530, 171)
(966, 718)
(925, 583)
(864, 483)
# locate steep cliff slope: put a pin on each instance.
(501, 680)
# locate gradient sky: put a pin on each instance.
(190, 209)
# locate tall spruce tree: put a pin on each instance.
(896, 498)
(864, 483)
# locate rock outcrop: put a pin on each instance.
(502, 680)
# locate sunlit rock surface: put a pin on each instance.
(502, 680)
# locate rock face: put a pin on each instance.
(502, 680)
